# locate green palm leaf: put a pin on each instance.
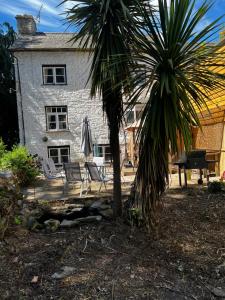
(178, 69)
(108, 27)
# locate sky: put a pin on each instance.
(52, 18)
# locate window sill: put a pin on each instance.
(57, 131)
(54, 84)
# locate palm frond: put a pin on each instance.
(178, 67)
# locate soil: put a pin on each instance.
(112, 260)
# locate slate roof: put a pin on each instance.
(42, 41)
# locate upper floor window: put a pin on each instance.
(54, 74)
(133, 115)
(56, 117)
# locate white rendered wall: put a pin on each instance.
(35, 96)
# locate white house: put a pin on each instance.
(53, 95)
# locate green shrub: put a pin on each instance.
(215, 187)
(2, 148)
(22, 165)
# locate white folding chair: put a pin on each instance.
(73, 175)
(50, 171)
(96, 175)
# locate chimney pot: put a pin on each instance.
(26, 25)
(222, 35)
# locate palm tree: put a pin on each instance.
(108, 27)
(177, 68)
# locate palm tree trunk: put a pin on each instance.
(115, 147)
(113, 106)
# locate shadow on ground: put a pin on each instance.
(114, 261)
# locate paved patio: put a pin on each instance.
(54, 190)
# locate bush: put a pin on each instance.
(215, 187)
(22, 165)
(2, 148)
(8, 209)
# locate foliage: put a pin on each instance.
(8, 113)
(2, 148)
(215, 187)
(8, 208)
(22, 164)
(176, 71)
(7, 37)
(136, 217)
(108, 27)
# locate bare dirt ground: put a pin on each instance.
(111, 260)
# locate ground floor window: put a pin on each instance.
(59, 154)
(103, 150)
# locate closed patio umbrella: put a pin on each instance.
(86, 138)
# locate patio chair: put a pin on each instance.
(73, 175)
(49, 169)
(96, 175)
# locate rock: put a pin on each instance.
(104, 207)
(67, 271)
(108, 213)
(89, 219)
(97, 204)
(72, 223)
(25, 206)
(32, 224)
(220, 270)
(52, 225)
(68, 223)
(34, 279)
(20, 203)
(218, 292)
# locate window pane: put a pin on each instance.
(49, 79)
(59, 109)
(52, 118)
(108, 155)
(53, 152)
(60, 71)
(62, 118)
(64, 151)
(48, 109)
(52, 126)
(100, 151)
(130, 117)
(62, 125)
(48, 71)
(64, 109)
(60, 79)
(64, 159)
(53, 109)
(55, 159)
(138, 114)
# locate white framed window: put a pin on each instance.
(54, 74)
(103, 150)
(133, 115)
(56, 118)
(59, 154)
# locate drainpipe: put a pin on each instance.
(21, 102)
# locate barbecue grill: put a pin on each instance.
(193, 160)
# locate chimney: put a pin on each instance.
(26, 25)
(222, 35)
